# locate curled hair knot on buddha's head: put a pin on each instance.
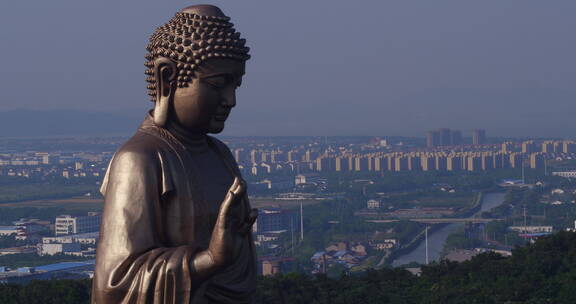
(191, 37)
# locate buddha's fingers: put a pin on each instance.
(229, 199)
(238, 187)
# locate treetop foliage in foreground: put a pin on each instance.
(544, 272)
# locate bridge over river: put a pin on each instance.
(441, 220)
(437, 239)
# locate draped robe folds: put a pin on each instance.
(155, 221)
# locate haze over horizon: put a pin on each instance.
(318, 68)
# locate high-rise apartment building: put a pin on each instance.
(498, 160)
(322, 164)
(433, 139)
(238, 155)
(293, 156)
(568, 147)
(309, 155)
(428, 162)
(413, 162)
(479, 137)
(378, 163)
(277, 156)
(254, 156)
(516, 160)
(264, 156)
(456, 137)
(453, 163)
(440, 162)
(445, 137)
(548, 146)
(536, 160)
(474, 163)
(507, 147)
(360, 163)
(487, 161)
(400, 163)
(340, 164)
(528, 147)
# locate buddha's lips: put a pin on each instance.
(221, 117)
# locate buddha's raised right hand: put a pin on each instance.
(230, 231)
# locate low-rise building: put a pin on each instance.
(31, 229)
(373, 204)
(82, 238)
(385, 244)
(67, 224)
(275, 219)
(565, 174)
(532, 229)
(18, 250)
(8, 230)
(59, 248)
(75, 244)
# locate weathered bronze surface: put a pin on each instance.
(177, 220)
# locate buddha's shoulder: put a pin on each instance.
(220, 144)
(140, 148)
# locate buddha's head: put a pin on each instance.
(195, 63)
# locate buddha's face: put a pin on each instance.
(205, 104)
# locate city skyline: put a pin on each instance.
(411, 67)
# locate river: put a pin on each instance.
(437, 239)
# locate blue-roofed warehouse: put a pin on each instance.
(65, 270)
(64, 266)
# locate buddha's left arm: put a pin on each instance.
(134, 264)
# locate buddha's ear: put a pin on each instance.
(165, 74)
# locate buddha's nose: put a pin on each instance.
(229, 100)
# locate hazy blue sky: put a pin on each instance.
(319, 67)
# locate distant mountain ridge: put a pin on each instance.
(34, 123)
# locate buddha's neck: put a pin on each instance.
(193, 141)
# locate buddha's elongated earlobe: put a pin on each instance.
(165, 74)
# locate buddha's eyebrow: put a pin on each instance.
(226, 74)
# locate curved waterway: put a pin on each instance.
(437, 239)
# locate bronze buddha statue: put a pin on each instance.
(177, 221)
